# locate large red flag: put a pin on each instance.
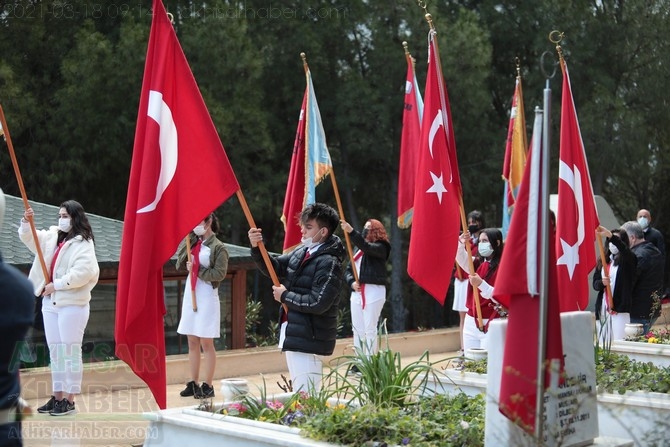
(310, 164)
(409, 146)
(577, 217)
(180, 173)
(436, 223)
(518, 289)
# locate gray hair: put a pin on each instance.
(633, 229)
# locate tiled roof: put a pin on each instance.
(107, 234)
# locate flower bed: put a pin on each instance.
(385, 404)
(449, 421)
(640, 415)
(652, 347)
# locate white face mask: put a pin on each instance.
(199, 230)
(309, 241)
(613, 249)
(485, 250)
(644, 222)
(65, 224)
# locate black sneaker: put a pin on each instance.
(47, 407)
(63, 407)
(192, 389)
(353, 371)
(205, 391)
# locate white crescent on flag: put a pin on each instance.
(160, 112)
(573, 179)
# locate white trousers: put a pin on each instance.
(364, 323)
(472, 336)
(305, 371)
(64, 329)
(460, 295)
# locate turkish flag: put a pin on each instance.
(436, 222)
(518, 289)
(409, 146)
(179, 174)
(577, 218)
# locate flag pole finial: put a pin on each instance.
(422, 4)
(547, 74)
(556, 37)
(303, 56)
(406, 47)
(517, 62)
(429, 19)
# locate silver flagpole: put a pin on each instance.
(544, 262)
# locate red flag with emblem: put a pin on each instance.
(436, 222)
(577, 218)
(518, 289)
(179, 174)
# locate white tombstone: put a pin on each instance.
(571, 411)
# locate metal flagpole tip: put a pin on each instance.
(556, 36)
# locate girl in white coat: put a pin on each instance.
(69, 255)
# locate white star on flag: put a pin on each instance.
(570, 257)
(437, 187)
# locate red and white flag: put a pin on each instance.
(577, 218)
(179, 174)
(518, 289)
(409, 146)
(310, 164)
(436, 222)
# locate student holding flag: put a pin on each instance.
(202, 324)
(619, 275)
(489, 249)
(69, 252)
(475, 225)
(311, 277)
(368, 293)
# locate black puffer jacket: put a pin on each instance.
(312, 295)
(648, 281)
(373, 263)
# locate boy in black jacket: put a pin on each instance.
(311, 278)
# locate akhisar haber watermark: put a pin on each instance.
(76, 430)
(270, 12)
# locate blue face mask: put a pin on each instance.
(644, 222)
(484, 249)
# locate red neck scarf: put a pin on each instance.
(195, 263)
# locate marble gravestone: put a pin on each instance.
(570, 410)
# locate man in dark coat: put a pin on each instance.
(311, 280)
(18, 301)
(648, 284)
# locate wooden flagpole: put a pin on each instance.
(340, 210)
(261, 245)
(17, 172)
(603, 261)
(194, 302)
